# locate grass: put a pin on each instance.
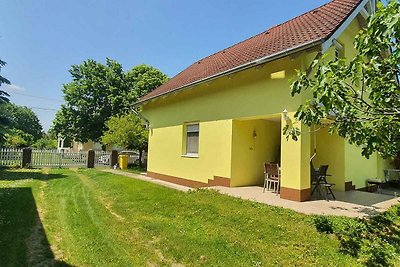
(135, 169)
(86, 217)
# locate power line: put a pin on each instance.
(52, 109)
(35, 96)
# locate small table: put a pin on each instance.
(376, 182)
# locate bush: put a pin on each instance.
(323, 225)
(374, 241)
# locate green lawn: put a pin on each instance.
(90, 218)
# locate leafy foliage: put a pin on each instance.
(359, 98)
(126, 131)
(374, 241)
(3, 100)
(98, 92)
(22, 118)
(48, 141)
(17, 138)
(3, 95)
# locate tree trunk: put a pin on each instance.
(140, 158)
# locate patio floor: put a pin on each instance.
(350, 203)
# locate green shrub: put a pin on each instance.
(323, 224)
(374, 241)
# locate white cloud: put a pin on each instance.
(13, 88)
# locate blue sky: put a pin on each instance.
(41, 39)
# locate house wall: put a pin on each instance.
(166, 145)
(249, 152)
(359, 168)
(251, 94)
(246, 94)
(331, 151)
(228, 109)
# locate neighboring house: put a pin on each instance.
(90, 145)
(79, 146)
(219, 120)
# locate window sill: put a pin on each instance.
(190, 155)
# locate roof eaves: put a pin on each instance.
(253, 63)
(337, 32)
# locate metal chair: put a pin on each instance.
(272, 176)
(321, 181)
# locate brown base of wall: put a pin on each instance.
(217, 181)
(348, 186)
(296, 194)
(371, 188)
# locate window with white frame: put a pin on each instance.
(339, 50)
(192, 139)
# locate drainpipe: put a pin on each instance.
(308, 71)
(146, 121)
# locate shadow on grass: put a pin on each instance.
(23, 241)
(19, 174)
(375, 241)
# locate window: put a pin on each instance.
(192, 139)
(339, 50)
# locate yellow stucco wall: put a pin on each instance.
(330, 151)
(254, 142)
(359, 169)
(295, 157)
(247, 94)
(165, 151)
(228, 110)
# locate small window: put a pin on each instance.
(192, 139)
(339, 50)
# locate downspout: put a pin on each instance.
(146, 121)
(308, 71)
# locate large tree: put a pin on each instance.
(16, 138)
(359, 98)
(127, 131)
(3, 100)
(3, 95)
(143, 79)
(98, 92)
(22, 118)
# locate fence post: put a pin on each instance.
(26, 157)
(113, 158)
(90, 159)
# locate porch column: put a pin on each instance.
(295, 163)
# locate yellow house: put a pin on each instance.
(219, 120)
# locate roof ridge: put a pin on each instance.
(307, 27)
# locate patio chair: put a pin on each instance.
(272, 176)
(323, 183)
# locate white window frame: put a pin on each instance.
(191, 128)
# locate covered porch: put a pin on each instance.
(259, 140)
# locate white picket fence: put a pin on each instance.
(52, 158)
(55, 158)
(10, 157)
(102, 158)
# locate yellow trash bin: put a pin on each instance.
(123, 162)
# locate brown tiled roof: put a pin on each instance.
(315, 25)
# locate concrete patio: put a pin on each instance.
(350, 203)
